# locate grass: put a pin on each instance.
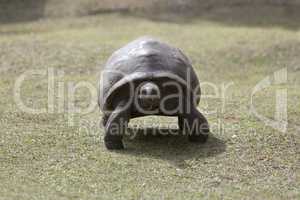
(41, 157)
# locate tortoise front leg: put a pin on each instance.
(115, 126)
(196, 126)
(180, 123)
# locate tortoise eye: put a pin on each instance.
(144, 91)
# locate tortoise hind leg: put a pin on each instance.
(115, 126)
(196, 126)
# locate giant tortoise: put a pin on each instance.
(149, 77)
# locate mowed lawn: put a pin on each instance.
(44, 156)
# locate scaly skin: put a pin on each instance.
(115, 126)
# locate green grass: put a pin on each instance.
(41, 157)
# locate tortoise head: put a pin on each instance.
(149, 96)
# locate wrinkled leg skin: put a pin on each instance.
(180, 123)
(115, 125)
(195, 125)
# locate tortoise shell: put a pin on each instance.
(145, 59)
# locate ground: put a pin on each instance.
(45, 156)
